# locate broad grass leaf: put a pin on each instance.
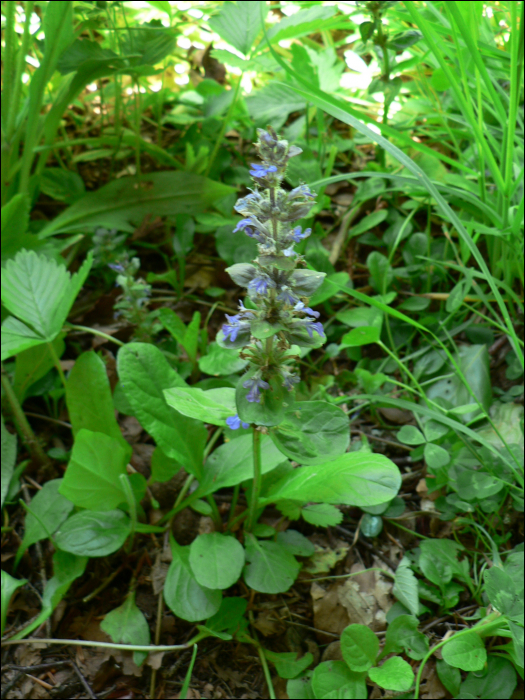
(93, 533)
(125, 202)
(352, 479)
(144, 374)
(92, 477)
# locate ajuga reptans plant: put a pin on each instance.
(278, 287)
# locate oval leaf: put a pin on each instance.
(93, 534)
(355, 478)
(216, 560)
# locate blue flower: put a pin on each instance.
(117, 267)
(262, 170)
(288, 252)
(317, 327)
(254, 384)
(244, 225)
(287, 297)
(234, 422)
(231, 328)
(260, 285)
(289, 379)
(301, 191)
(307, 310)
(297, 236)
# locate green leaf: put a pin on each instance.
(436, 456)
(92, 477)
(191, 337)
(473, 361)
(439, 561)
(368, 222)
(301, 687)
(93, 533)
(49, 509)
(228, 617)
(183, 594)
(321, 514)
(405, 586)
(287, 664)
(239, 23)
(371, 525)
(410, 435)
(335, 676)
(272, 407)
(8, 458)
(361, 316)
(359, 647)
(449, 676)
(144, 374)
(33, 364)
(15, 220)
(9, 586)
(296, 543)
(40, 293)
(173, 324)
(380, 270)
(330, 287)
(269, 568)
(211, 406)
(395, 674)
(352, 479)
(89, 400)
(313, 432)
(361, 336)
(232, 463)
(62, 185)
(216, 560)
(306, 21)
(497, 681)
(66, 568)
(220, 362)
(125, 202)
(127, 625)
(163, 468)
(466, 652)
(402, 635)
(505, 594)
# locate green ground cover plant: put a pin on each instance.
(372, 281)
